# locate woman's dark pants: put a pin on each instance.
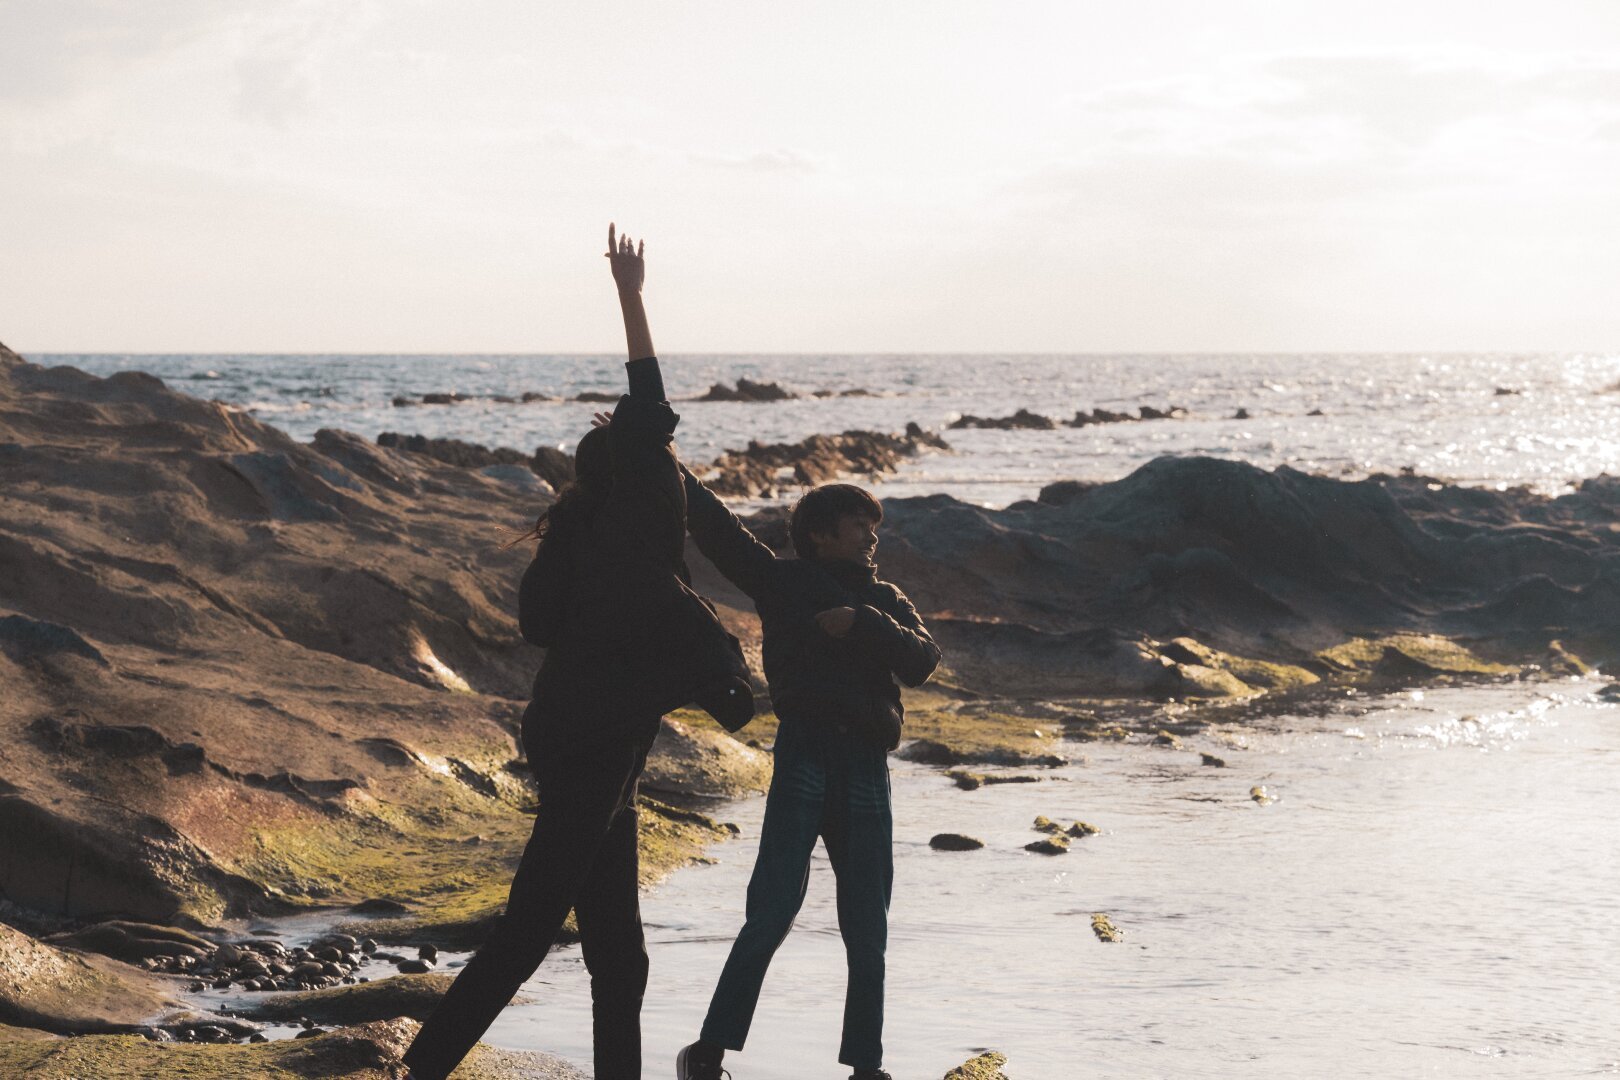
(838, 790)
(582, 855)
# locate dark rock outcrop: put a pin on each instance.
(766, 470)
(1022, 420)
(747, 390)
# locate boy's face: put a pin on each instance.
(854, 540)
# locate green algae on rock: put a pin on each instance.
(1104, 928)
(1407, 656)
(381, 999)
(1261, 795)
(986, 1066)
(1051, 845)
(367, 1052)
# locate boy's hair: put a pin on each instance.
(820, 509)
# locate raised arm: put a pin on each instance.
(629, 271)
(647, 503)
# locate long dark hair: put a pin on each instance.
(578, 503)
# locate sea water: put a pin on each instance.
(1543, 420)
(1435, 893)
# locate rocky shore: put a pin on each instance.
(252, 676)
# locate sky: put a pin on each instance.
(897, 176)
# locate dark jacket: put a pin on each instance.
(608, 594)
(845, 686)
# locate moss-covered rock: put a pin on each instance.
(986, 1066)
(1104, 928)
(1402, 657)
(367, 1052)
(381, 999)
(981, 734)
(1052, 845)
(1561, 661)
(1261, 795)
(1248, 676)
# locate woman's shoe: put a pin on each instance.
(697, 1062)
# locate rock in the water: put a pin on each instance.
(1261, 795)
(1212, 761)
(398, 995)
(955, 842)
(417, 966)
(1052, 845)
(1104, 928)
(748, 390)
(761, 470)
(987, 1066)
(1023, 419)
(1046, 825)
(1080, 829)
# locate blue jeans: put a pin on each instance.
(838, 790)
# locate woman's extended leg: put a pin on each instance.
(569, 830)
(609, 912)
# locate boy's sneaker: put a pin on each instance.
(696, 1062)
(870, 1074)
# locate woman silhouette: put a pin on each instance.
(607, 595)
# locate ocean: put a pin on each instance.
(1546, 421)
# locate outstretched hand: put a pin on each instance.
(629, 270)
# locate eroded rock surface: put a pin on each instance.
(248, 674)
